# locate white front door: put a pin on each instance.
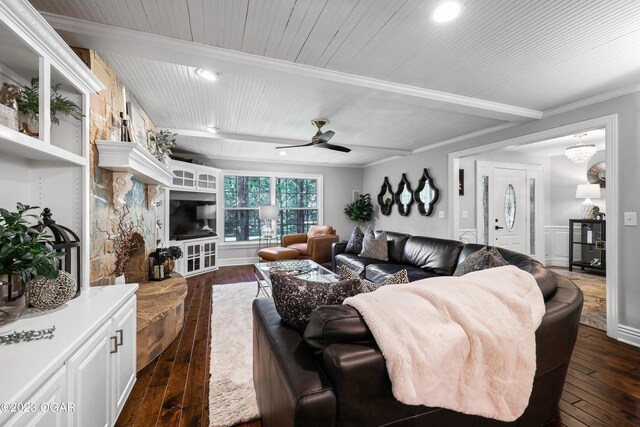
(508, 229)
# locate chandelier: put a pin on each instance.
(580, 153)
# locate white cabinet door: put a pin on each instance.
(184, 177)
(89, 380)
(193, 262)
(123, 361)
(45, 406)
(207, 181)
(208, 255)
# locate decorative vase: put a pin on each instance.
(47, 294)
(169, 265)
(120, 280)
(13, 301)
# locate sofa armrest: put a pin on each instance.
(290, 239)
(337, 249)
(330, 324)
(291, 387)
(319, 248)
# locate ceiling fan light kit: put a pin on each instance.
(321, 139)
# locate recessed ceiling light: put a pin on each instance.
(212, 129)
(283, 153)
(446, 12)
(207, 74)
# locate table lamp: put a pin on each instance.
(587, 192)
(205, 213)
(268, 213)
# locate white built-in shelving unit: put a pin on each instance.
(91, 359)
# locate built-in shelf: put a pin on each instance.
(16, 144)
(129, 157)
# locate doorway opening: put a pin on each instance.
(522, 193)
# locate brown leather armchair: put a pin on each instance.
(314, 245)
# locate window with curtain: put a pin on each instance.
(242, 197)
(298, 202)
(297, 198)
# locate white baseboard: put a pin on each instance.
(629, 335)
(237, 261)
(556, 262)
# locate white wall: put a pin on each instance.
(628, 110)
(338, 184)
(565, 176)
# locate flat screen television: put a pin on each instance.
(190, 217)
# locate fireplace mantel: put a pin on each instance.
(129, 160)
(132, 158)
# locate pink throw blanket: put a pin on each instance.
(462, 343)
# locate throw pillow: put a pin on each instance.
(398, 278)
(354, 245)
(480, 260)
(375, 247)
(296, 298)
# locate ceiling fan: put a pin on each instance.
(321, 139)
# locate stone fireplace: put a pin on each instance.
(137, 266)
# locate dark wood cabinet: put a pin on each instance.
(587, 244)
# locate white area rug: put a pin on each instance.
(232, 397)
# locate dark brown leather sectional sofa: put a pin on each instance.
(335, 375)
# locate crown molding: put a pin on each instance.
(278, 162)
(592, 100)
(270, 140)
(25, 21)
(161, 48)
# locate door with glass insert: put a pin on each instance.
(508, 227)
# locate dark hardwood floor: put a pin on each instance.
(602, 387)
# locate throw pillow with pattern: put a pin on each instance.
(354, 245)
(480, 260)
(375, 247)
(398, 278)
(296, 298)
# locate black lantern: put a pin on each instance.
(156, 264)
(64, 240)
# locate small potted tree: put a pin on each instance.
(360, 210)
(25, 254)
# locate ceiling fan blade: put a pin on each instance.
(334, 147)
(325, 137)
(296, 146)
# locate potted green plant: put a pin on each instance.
(25, 254)
(29, 106)
(360, 210)
(164, 142)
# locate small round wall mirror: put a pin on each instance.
(510, 207)
(404, 196)
(426, 195)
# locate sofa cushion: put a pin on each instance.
(437, 256)
(296, 298)
(380, 272)
(480, 260)
(395, 243)
(354, 262)
(546, 280)
(398, 278)
(354, 245)
(375, 247)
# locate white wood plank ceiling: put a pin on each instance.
(535, 55)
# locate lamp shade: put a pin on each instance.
(206, 212)
(588, 191)
(268, 212)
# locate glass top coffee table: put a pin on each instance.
(304, 269)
